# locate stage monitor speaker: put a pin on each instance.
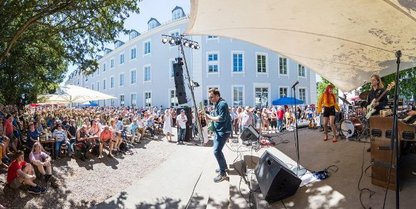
(179, 83)
(250, 134)
(275, 179)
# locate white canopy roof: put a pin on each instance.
(345, 41)
(74, 94)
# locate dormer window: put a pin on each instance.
(152, 23)
(177, 13)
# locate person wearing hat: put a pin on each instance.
(222, 130)
(328, 101)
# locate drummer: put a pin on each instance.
(328, 101)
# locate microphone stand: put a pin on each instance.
(395, 140)
(298, 170)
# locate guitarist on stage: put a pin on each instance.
(377, 88)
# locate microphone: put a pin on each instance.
(297, 82)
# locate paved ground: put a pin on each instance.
(185, 179)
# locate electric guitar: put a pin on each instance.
(371, 107)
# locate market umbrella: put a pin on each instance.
(343, 41)
(75, 94)
(287, 101)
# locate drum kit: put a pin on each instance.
(352, 121)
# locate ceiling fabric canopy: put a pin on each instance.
(343, 41)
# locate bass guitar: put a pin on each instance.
(371, 107)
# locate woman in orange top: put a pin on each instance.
(329, 103)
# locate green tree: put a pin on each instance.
(321, 85)
(407, 83)
(40, 38)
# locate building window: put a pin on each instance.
(92, 86)
(213, 63)
(133, 53)
(301, 71)
(302, 94)
(237, 62)
(173, 100)
(282, 66)
(112, 63)
(112, 82)
(98, 85)
(212, 37)
(133, 100)
(261, 63)
(177, 14)
(121, 79)
(283, 92)
(261, 97)
(133, 77)
(104, 85)
(147, 99)
(121, 58)
(238, 96)
(147, 73)
(121, 100)
(104, 67)
(147, 47)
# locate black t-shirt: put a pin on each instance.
(374, 94)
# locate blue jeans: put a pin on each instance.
(219, 141)
(58, 145)
(280, 125)
(182, 132)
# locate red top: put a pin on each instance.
(8, 127)
(106, 135)
(12, 171)
(280, 114)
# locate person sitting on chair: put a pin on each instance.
(106, 137)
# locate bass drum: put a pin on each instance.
(347, 128)
(351, 127)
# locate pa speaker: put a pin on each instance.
(249, 133)
(275, 179)
(179, 83)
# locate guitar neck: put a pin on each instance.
(378, 98)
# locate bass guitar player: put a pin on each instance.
(377, 88)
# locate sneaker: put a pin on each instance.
(101, 156)
(42, 190)
(218, 170)
(220, 178)
(33, 190)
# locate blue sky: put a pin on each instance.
(159, 9)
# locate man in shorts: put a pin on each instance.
(20, 173)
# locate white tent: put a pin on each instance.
(345, 41)
(74, 94)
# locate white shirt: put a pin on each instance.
(181, 121)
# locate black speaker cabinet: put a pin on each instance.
(179, 83)
(249, 133)
(275, 179)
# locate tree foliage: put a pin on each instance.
(407, 83)
(322, 85)
(39, 38)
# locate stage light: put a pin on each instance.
(164, 40)
(186, 43)
(172, 41)
(197, 47)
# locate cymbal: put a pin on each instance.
(345, 101)
(364, 95)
